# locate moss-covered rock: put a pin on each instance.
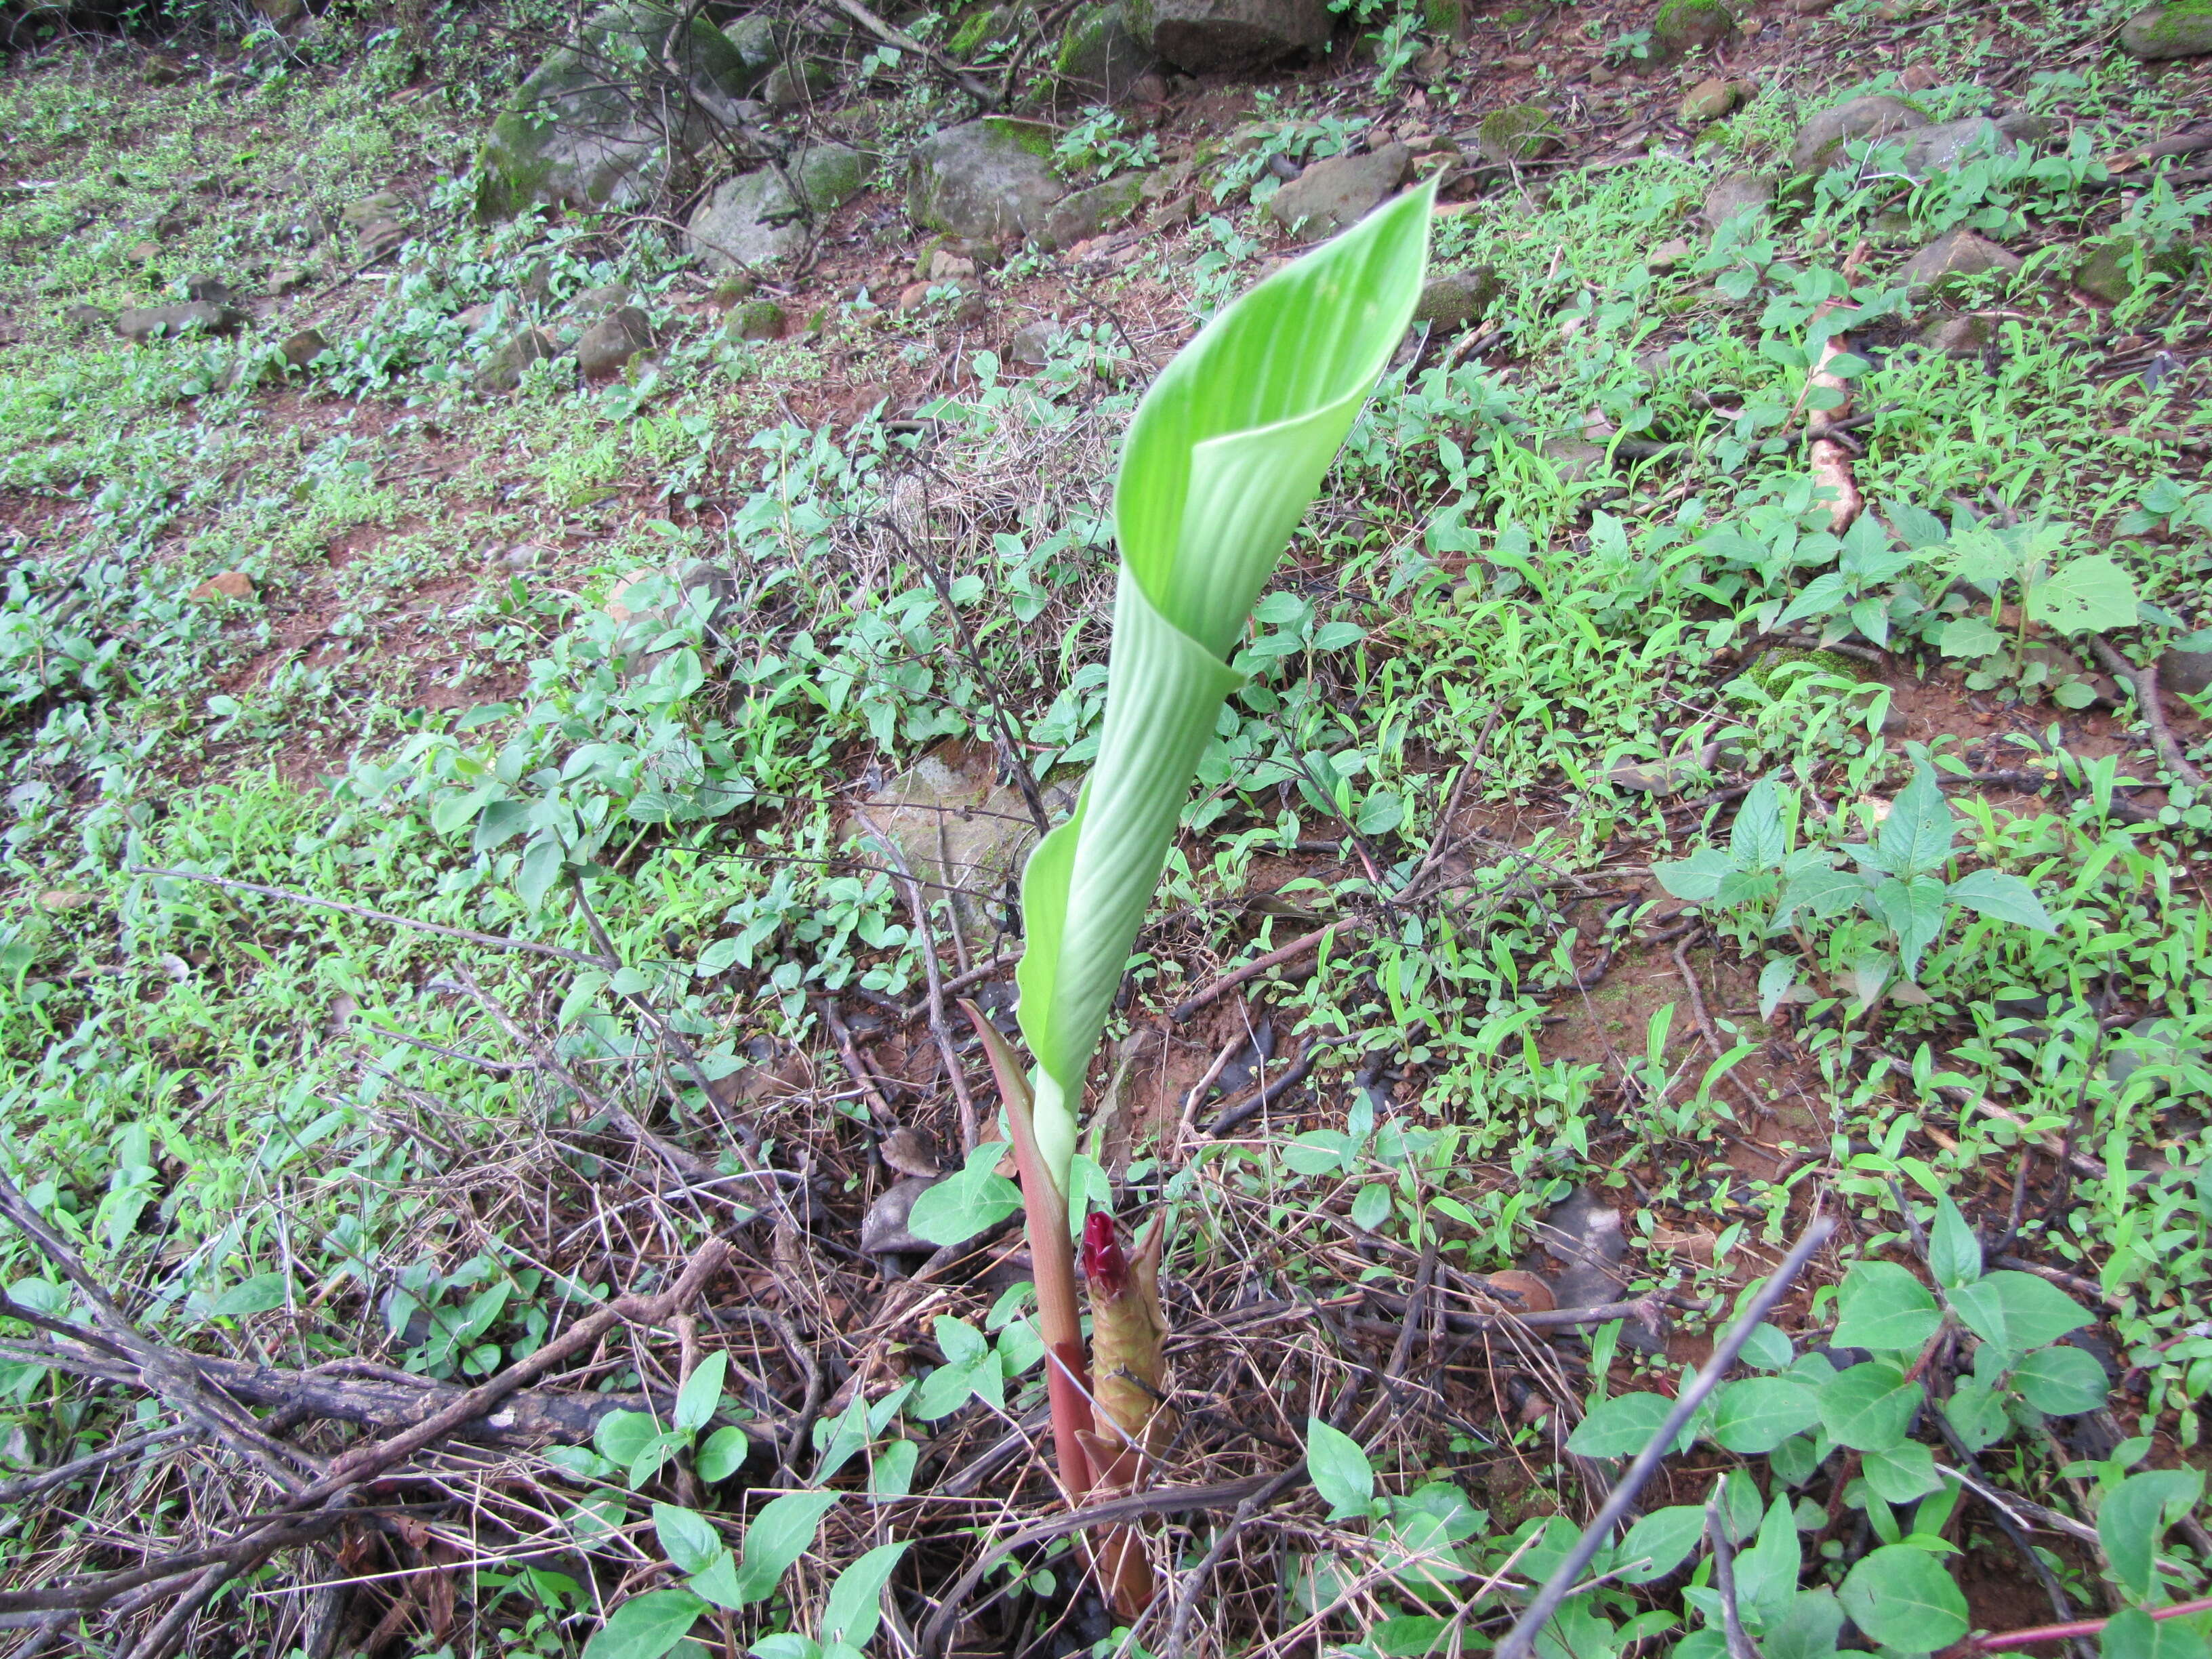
(598, 124)
(989, 177)
(1683, 25)
(1083, 214)
(754, 218)
(1208, 37)
(1104, 50)
(1519, 132)
(2179, 28)
(2114, 267)
(1820, 141)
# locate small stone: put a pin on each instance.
(1031, 345)
(1919, 77)
(1709, 100)
(57, 902)
(211, 290)
(1333, 195)
(143, 253)
(2178, 28)
(1820, 141)
(230, 584)
(1946, 146)
(1573, 458)
(791, 87)
(195, 317)
(84, 316)
(2107, 271)
(1668, 254)
(1967, 336)
(1680, 26)
(1519, 62)
(1737, 193)
(1812, 8)
(301, 349)
(597, 302)
(1602, 77)
(160, 71)
(609, 343)
(1450, 300)
(945, 266)
(1519, 132)
(287, 279)
(989, 177)
(1083, 214)
(756, 320)
(2151, 1042)
(733, 290)
(502, 370)
(1948, 260)
(2188, 673)
(1206, 37)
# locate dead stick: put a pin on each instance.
(938, 1028)
(1251, 970)
(863, 1073)
(2145, 682)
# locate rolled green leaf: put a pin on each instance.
(1221, 462)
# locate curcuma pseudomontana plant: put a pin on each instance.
(1221, 461)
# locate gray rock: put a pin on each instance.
(756, 320)
(956, 823)
(1332, 195)
(796, 85)
(1519, 132)
(212, 289)
(1736, 193)
(301, 349)
(1679, 26)
(2107, 272)
(1031, 345)
(84, 316)
(194, 317)
(502, 370)
(1966, 336)
(1101, 53)
(596, 124)
(1820, 141)
(1665, 777)
(989, 178)
(1206, 37)
(1949, 259)
(754, 35)
(609, 343)
(1573, 458)
(1450, 300)
(2179, 28)
(753, 218)
(596, 302)
(1941, 149)
(2150, 1042)
(884, 1229)
(2189, 673)
(1082, 214)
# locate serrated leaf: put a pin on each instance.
(1976, 1414)
(1913, 911)
(1821, 893)
(2085, 595)
(1698, 878)
(1755, 839)
(1916, 838)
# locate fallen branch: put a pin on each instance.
(2187, 143)
(2144, 681)
(905, 42)
(1280, 956)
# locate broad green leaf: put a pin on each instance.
(701, 1393)
(1808, 1628)
(1916, 838)
(2131, 1633)
(646, 1626)
(855, 1606)
(1755, 839)
(970, 1200)
(1904, 1598)
(787, 1645)
(622, 1436)
(779, 1535)
(1775, 982)
(1902, 1473)
(2083, 596)
(1883, 1308)
(1970, 637)
(1696, 878)
(2134, 1517)
(687, 1537)
(961, 1343)
(1869, 1406)
(1823, 892)
(1822, 595)
(1914, 911)
(1954, 1251)
(2017, 1311)
(1976, 1414)
(260, 1294)
(893, 1473)
(1221, 460)
(2062, 1380)
(1766, 1570)
(1754, 1416)
(1371, 1208)
(718, 1581)
(1620, 1427)
(1341, 1471)
(2002, 897)
(1408, 1635)
(723, 1455)
(1663, 1540)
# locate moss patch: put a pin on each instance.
(1034, 136)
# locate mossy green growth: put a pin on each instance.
(1519, 132)
(2179, 28)
(1683, 24)
(1446, 19)
(1034, 136)
(979, 27)
(1766, 672)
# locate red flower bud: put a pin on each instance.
(1103, 1263)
